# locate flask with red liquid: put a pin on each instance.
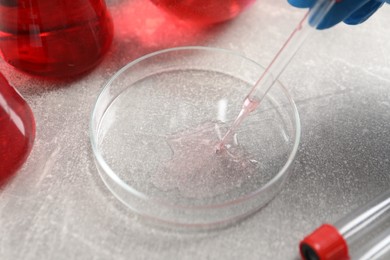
(17, 130)
(55, 38)
(203, 12)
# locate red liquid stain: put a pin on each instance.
(204, 12)
(56, 38)
(17, 130)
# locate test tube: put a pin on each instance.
(362, 234)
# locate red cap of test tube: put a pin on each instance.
(325, 243)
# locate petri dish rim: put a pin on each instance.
(93, 133)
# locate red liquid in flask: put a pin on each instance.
(204, 12)
(56, 38)
(17, 130)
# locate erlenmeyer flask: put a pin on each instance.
(17, 130)
(55, 38)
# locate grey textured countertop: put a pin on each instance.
(57, 207)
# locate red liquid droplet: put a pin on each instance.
(55, 38)
(17, 130)
(204, 11)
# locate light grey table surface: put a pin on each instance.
(57, 207)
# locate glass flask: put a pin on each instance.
(54, 38)
(17, 130)
(203, 12)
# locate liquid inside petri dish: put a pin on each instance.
(198, 169)
(160, 137)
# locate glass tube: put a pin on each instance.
(362, 234)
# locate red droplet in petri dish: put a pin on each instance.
(54, 38)
(204, 12)
(17, 130)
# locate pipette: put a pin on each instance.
(362, 234)
(308, 23)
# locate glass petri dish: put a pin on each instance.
(155, 126)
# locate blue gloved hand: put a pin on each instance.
(348, 11)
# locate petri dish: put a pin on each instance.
(155, 126)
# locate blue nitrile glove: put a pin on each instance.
(348, 11)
